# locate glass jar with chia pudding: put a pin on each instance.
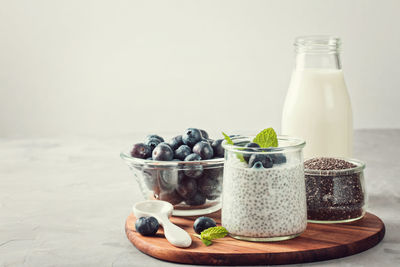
(264, 196)
(335, 190)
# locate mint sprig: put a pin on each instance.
(212, 233)
(230, 142)
(266, 138)
(228, 139)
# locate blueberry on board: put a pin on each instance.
(193, 171)
(182, 152)
(198, 199)
(204, 134)
(210, 188)
(204, 149)
(147, 226)
(176, 142)
(278, 158)
(191, 136)
(187, 187)
(203, 223)
(141, 151)
(151, 136)
(163, 152)
(246, 156)
(152, 143)
(219, 151)
(265, 160)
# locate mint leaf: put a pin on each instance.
(214, 233)
(206, 242)
(228, 139)
(230, 142)
(266, 138)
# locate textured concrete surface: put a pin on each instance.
(63, 202)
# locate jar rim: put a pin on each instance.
(317, 43)
(291, 143)
(360, 166)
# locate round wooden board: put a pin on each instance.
(319, 242)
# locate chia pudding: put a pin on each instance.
(335, 190)
(264, 204)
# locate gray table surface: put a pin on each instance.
(64, 201)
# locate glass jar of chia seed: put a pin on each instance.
(264, 197)
(335, 190)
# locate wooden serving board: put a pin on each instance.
(319, 242)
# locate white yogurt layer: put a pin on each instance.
(264, 202)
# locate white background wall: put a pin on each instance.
(84, 67)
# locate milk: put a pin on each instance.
(317, 109)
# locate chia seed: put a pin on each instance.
(334, 190)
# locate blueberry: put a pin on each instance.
(152, 143)
(176, 142)
(163, 152)
(213, 173)
(170, 196)
(210, 188)
(187, 187)
(218, 149)
(193, 171)
(141, 151)
(147, 226)
(246, 156)
(193, 157)
(204, 134)
(182, 152)
(258, 165)
(154, 136)
(203, 223)
(265, 160)
(204, 149)
(149, 158)
(198, 199)
(278, 158)
(191, 136)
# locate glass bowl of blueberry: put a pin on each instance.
(186, 171)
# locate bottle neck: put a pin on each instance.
(317, 52)
(318, 61)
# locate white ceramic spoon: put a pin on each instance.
(162, 210)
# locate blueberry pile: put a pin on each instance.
(260, 160)
(190, 183)
(193, 144)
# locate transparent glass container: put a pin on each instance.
(173, 181)
(264, 204)
(336, 196)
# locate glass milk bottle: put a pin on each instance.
(317, 106)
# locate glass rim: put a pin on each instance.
(360, 166)
(298, 144)
(138, 162)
